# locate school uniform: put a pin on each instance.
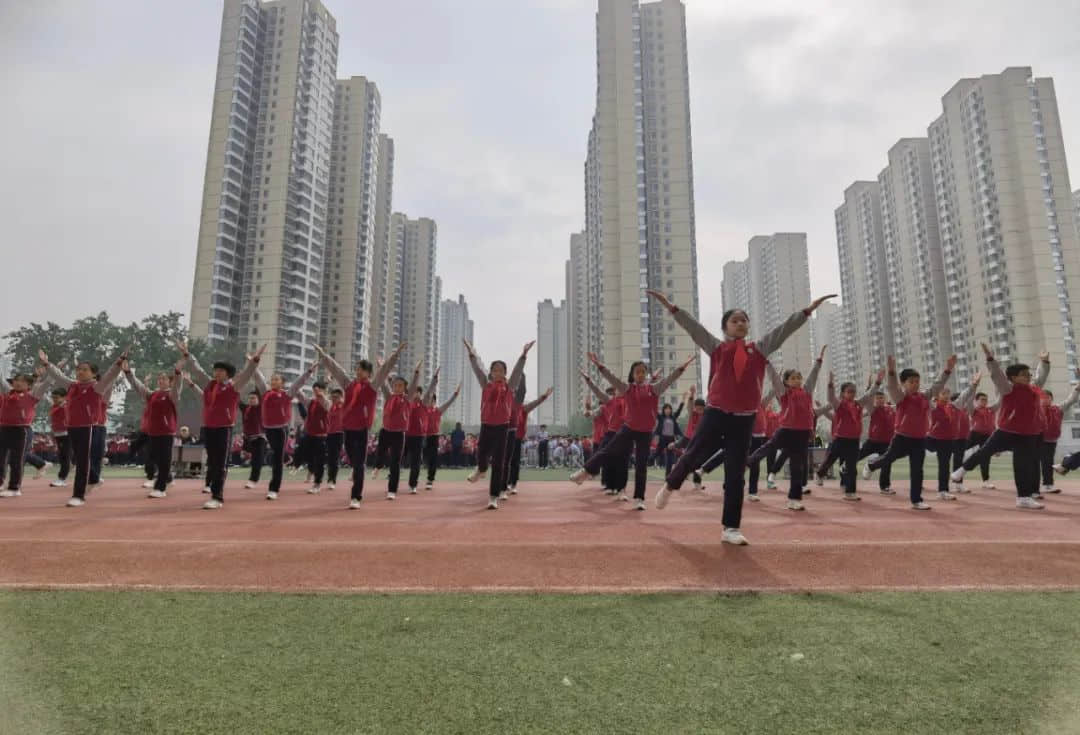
(797, 422)
(496, 409)
(254, 439)
(1053, 416)
(84, 404)
(737, 369)
(667, 434)
(911, 428)
(99, 439)
(415, 438)
(275, 410)
(316, 429)
(391, 442)
(879, 435)
(17, 409)
(58, 424)
(358, 416)
(160, 425)
(431, 443)
(846, 432)
(983, 423)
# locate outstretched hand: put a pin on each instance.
(688, 363)
(890, 362)
(818, 302)
(1044, 356)
(950, 364)
(880, 376)
(594, 359)
(821, 355)
(661, 298)
(976, 378)
(43, 357)
(986, 351)
(528, 346)
(182, 346)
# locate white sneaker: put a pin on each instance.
(771, 479)
(212, 504)
(148, 484)
(44, 469)
(989, 486)
(795, 505)
(390, 495)
(271, 496)
(1029, 503)
(156, 494)
(513, 490)
(249, 485)
(920, 506)
(733, 536)
(207, 491)
(504, 495)
(867, 473)
(958, 475)
(1052, 490)
(10, 493)
(430, 485)
(1060, 469)
(946, 496)
(476, 476)
(579, 477)
(314, 490)
(58, 483)
(625, 498)
(412, 490)
(887, 491)
(332, 486)
(1037, 495)
(819, 481)
(806, 491)
(493, 504)
(354, 504)
(852, 497)
(75, 502)
(639, 505)
(959, 488)
(753, 497)
(611, 492)
(662, 497)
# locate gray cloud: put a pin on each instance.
(489, 103)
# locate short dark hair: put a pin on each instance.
(337, 392)
(91, 366)
(59, 392)
(398, 378)
(788, 373)
(907, 373)
(980, 395)
(699, 401)
(253, 393)
(228, 367)
(321, 385)
(496, 362)
(25, 377)
(730, 313)
(633, 365)
(364, 365)
(1013, 370)
(845, 386)
(879, 393)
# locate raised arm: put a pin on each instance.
(997, 375)
(295, 388)
(53, 372)
(830, 396)
(250, 366)
(600, 395)
(133, 380)
(177, 383)
(519, 367)
(939, 384)
(106, 382)
(702, 337)
(966, 397)
(618, 385)
(385, 369)
(443, 408)
(430, 392)
(41, 383)
(474, 362)
(1069, 402)
(892, 385)
(664, 384)
(772, 341)
(528, 407)
(811, 379)
(260, 381)
(867, 398)
(334, 368)
(415, 382)
(199, 376)
(1043, 371)
(191, 383)
(777, 382)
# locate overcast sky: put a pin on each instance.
(106, 112)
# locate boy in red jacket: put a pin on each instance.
(1052, 432)
(17, 408)
(1020, 426)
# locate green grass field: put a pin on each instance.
(144, 662)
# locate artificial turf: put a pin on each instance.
(164, 662)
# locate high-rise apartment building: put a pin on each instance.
(827, 329)
(347, 294)
(384, 328)
(263, 227)
(553, 362)
(639, 193)
(455, 326)
(580, 311)
(1004, 205)
(922, 336)
(864, 283)
(416, 283)
(771, 284)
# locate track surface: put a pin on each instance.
(553, 536)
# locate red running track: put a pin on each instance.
(553, 536)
